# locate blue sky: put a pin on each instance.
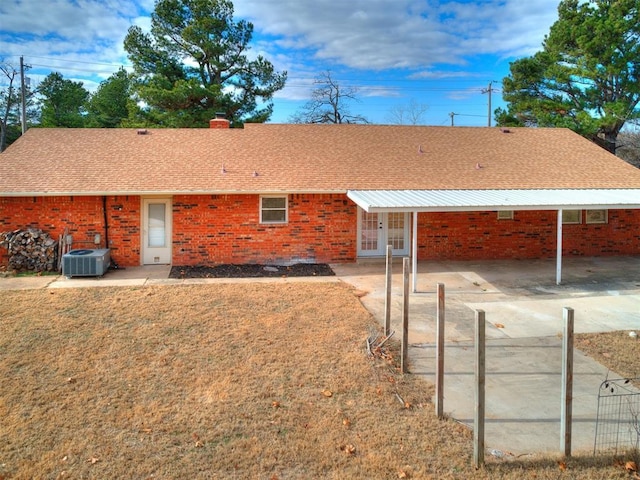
(437, 55)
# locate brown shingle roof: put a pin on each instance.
(305, 158)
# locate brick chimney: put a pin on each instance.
(219, 121)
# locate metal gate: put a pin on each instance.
(618, 419)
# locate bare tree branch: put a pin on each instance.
(329, 103)
(411, 113)
(8, 101)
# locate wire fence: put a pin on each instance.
(618, 418)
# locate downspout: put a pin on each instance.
(106, 221)
(114, 264)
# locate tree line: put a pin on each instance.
(192, 65)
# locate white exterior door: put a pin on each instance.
(156, 231)
(377, 230)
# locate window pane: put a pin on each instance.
(596, 216)
(273, 209)
(505, 215)
(274, 216)
(156, 227)
(395, 235)
(571, 216)
(369, 233)
(274, 202)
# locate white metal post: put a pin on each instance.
(559, 250)
(414, 250)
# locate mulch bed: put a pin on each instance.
(252, 270)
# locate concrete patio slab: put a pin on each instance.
(524, 314)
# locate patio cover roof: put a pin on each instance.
(377, 201)
(482, 200)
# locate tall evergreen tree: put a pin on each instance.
(194, 64)
(587, 77)
(63, 102)
(108, 107)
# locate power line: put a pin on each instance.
(57, 59)
(453, 114)
(394, 85)
(57, 67)
(293, 83)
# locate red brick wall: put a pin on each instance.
(83, 217)
(619, 236)
(531, 234)
(321, 228)
(210, 229)
(123, 213)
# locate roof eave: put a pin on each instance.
(142, 193)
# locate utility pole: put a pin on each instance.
(489, 90)
(24, 96)
(452, 115)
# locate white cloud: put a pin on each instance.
(387, 34)
(360, 34)
(361, 41)
(82, 39)
(66, 19)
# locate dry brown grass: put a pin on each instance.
(616, 350)
(266, 381)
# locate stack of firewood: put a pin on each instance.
(31, 250)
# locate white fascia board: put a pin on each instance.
(493, 200)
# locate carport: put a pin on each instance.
(420, 201)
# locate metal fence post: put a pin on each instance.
(387, 299)
(478, 421)
(567, 382)
(405, 315)
(440, 352)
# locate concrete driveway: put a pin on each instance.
(524, 315)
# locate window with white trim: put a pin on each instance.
(505, 214)
(596, 216)
(273, 209)
(571, 216)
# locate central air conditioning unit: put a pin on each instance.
(86, 263)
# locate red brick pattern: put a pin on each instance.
(83, 217)
(531, 234)
(210, 229)
(214, 229)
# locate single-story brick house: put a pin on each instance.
(282, 194)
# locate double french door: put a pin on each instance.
(377, 230)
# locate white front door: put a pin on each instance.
(377, 230)
(156, 231)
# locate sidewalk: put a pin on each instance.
(132, 277)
